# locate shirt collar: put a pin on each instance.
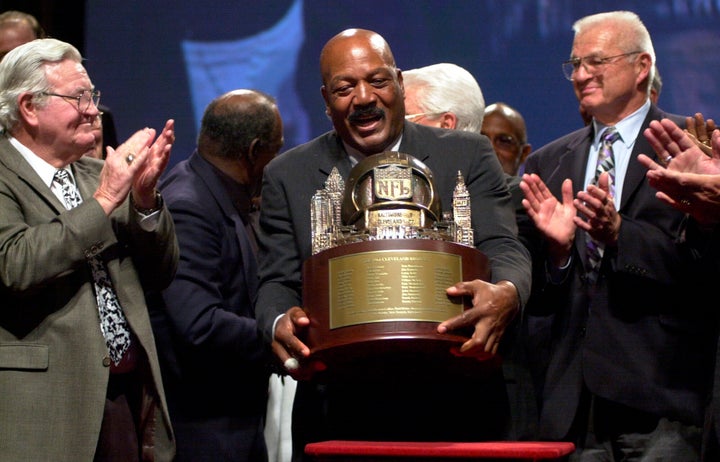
(41, 167)
(629, 127)
(356, 156)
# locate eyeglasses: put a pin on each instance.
(86, 98)
(414, 117)
(504, 141)
(593, 64)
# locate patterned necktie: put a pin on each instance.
(605, 163)
(113, 324)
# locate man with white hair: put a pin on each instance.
(444, 95)
(631, 342)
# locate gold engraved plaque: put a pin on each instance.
(392, 285)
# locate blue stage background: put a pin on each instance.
(160, 59)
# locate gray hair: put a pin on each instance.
(22, 70)
(446, 87)
(634, 35)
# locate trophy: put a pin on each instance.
(384, 253)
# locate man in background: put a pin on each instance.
(630, 340)
(505, 127)
(443, 95)
(16, 28)
(213, 358)
(455, 90)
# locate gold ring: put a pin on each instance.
(685, 202)
(706, 143)
(130, 158)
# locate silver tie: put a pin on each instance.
(605, 163)
(113, 324)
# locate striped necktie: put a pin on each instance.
(605, 163)
(113, 324)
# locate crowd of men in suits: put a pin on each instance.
(142, 316)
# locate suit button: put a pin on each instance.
(106, 361)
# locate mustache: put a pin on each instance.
(366, 112)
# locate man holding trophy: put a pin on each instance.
(363, 93)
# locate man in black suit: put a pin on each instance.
(363, 93)
(213, 358)
(629, 343)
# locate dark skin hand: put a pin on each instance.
(700, 131)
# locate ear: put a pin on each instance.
(27, 109)
(252, 151)
(325, 95)
(526, 150)
(644, 63)
(448, 120)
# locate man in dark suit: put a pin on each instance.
(363, 93)
(213, 358)
(630, 343)
(80, 239)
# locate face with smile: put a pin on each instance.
(614, 89)
(362, 90)
(69, 131)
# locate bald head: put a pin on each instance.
(505, 127)
(357, 42)
(363, 90)
(239, 121)
(511, 114)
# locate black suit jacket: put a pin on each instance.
(212, 355)
(641, 337)
(291, 179)
(398, 408)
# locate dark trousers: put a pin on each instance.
(119, 435)
(604, 431)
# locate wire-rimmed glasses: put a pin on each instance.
(591, 63)
(414, 117)
(84, 100)
(505, 141)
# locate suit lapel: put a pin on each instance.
(335, 156)
(572, 164)
(15, 162)
(635, 174)
(412, 143)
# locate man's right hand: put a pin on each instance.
(289, 349)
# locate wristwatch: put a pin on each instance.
(150, 211)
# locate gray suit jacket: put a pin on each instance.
(53, 367)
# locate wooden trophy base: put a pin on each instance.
(374, 307)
